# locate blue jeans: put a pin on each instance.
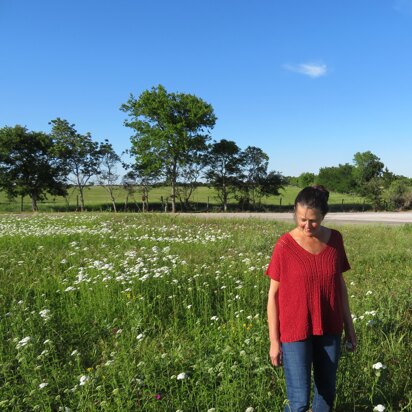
(321, 351)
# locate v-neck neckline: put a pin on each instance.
(327, 244)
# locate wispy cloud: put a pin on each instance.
(308, 69)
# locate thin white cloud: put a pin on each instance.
(313, 70)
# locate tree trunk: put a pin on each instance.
(66, 198)
(81, 198)
(126, 201)
(173, 196)
(174, 179)
(113, 200)
(34, 203)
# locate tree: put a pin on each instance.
(373, 190)
(107, 176)
(399, 193)
(367, 173)
(337, 178)
(169, 126)
(306, 179)
(254, 163)
(224, 168)
(27, 165)
(255, 182)
(190, 173)
(272, 183)
(367, 167)
(80, 155)
(138, 179)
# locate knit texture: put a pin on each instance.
(310, 301)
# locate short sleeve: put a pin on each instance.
(273, 270)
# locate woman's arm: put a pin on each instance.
(275, 352)
(350, 335)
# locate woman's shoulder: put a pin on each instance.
(283, 239)
(336, 236)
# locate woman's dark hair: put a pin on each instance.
(314, 197)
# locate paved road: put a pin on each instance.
(391, 218)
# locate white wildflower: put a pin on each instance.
(379, 408)
(45, 314)
(23, 342)
(43, 385)
(83, 380)
(378, 365)
(182, 376)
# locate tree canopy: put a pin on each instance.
(169, 129)
(81, 156)
(28, 166)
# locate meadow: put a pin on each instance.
(152, 312)
(203, 198)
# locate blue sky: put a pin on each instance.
(309, 82)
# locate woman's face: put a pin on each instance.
(308, 220)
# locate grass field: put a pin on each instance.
(149, 312)
(97, 199)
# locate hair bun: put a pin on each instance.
(323, 190)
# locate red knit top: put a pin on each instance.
(310, 289)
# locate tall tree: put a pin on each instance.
(139, 179)
(169, 126)
(190, 174)
(254, 162)
(224, 169)
(272, 183)
(80, 154)
(368, 171)
(367, 167)
(107, 176)
(27, 165)
(306, 179)
(337, 178)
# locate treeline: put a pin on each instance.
(172, 145)
(367, 177)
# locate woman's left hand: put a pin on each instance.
(350, 340)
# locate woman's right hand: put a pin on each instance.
(275, 353)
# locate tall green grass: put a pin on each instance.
(156, 313)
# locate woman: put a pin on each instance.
(308, 304)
